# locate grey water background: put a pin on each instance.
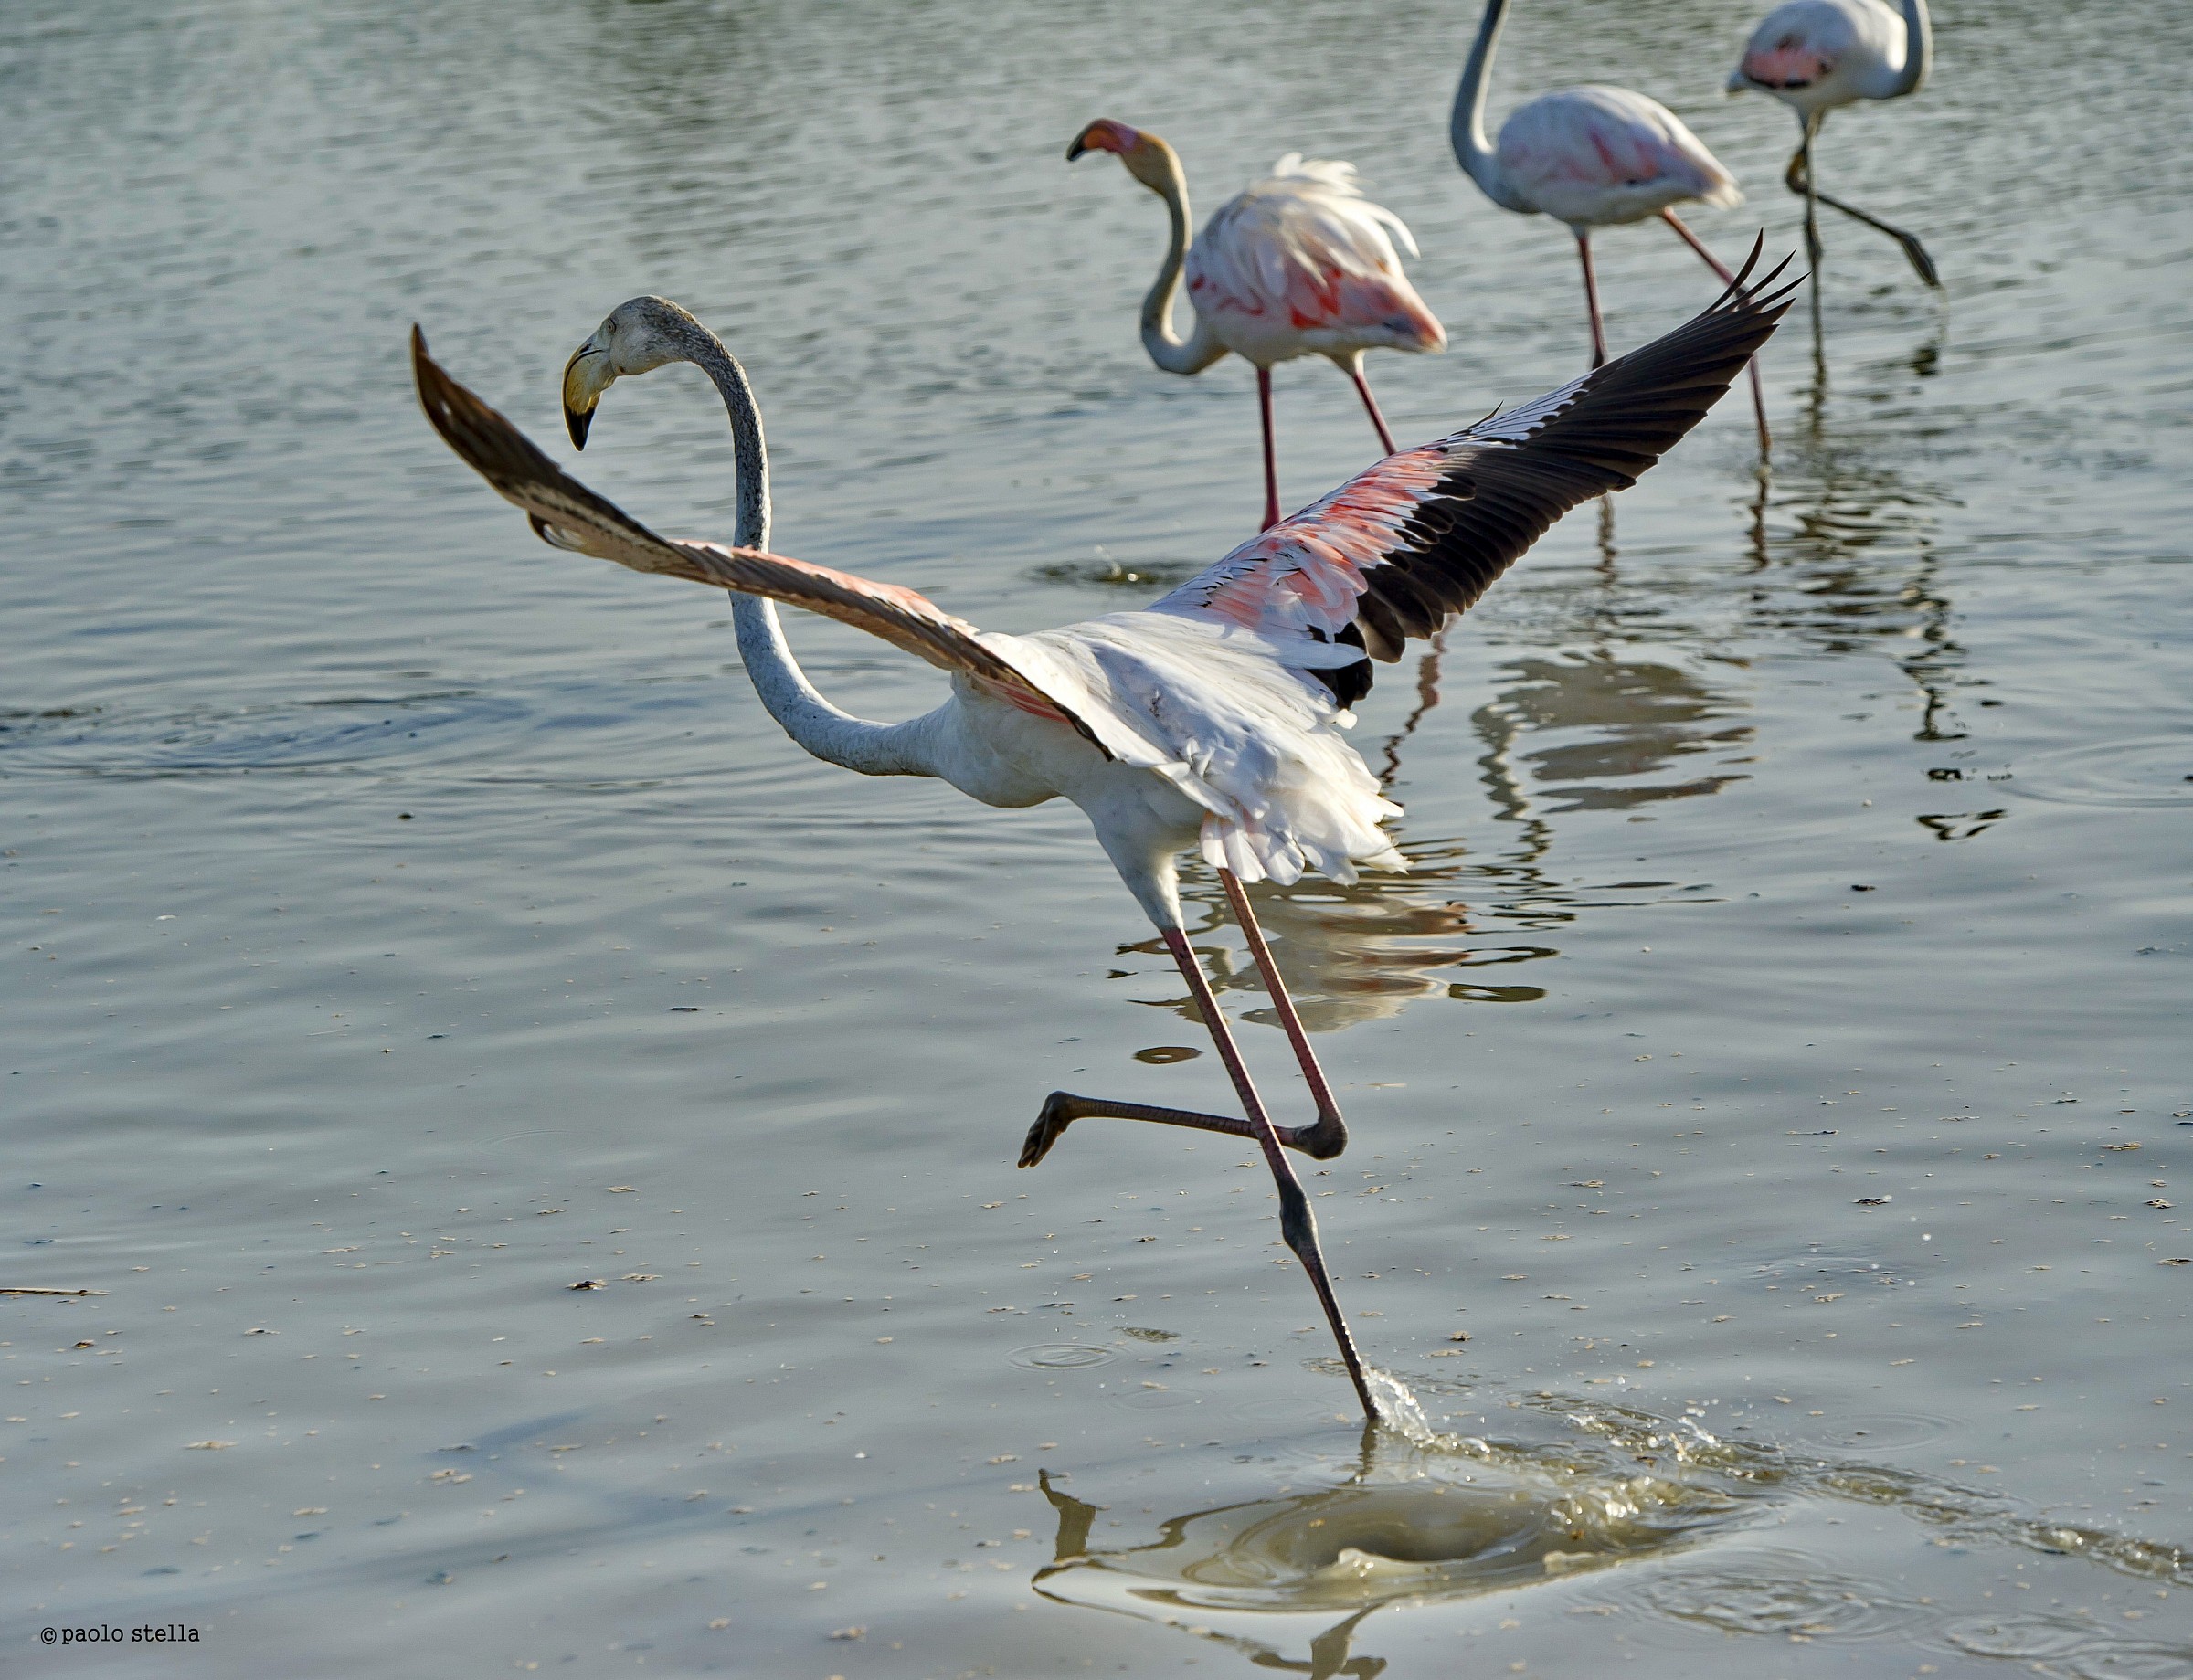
(1776, 1063)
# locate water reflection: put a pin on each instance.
(1364, 953)
(1849, 535)
(1567, 731)
(1609, 727)
(1413, 1523)
(1409, 1525)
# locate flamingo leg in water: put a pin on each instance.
(1271, 460)
(1766, 442)
(1377, 420)
(1297, 1224)
(1798, 178)
(1591, 298)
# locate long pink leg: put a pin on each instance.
(1297, 1224)
(1328, 1136)
(1591, 298)
(1766, 442)
(1362, 389)
(1271, 460)
(1321, 1140)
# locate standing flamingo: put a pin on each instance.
(1814, 55)
(1593, 157)
(1210, 718)
(1298, 264)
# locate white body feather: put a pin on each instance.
(1220, 740)
(1596, 157)
(1814, 55)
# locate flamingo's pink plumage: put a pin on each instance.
(1301, 263)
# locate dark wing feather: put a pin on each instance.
(566, 514)
(1401, 547)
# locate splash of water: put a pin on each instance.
(1401, 1411)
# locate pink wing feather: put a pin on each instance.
(1405, 544)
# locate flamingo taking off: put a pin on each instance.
(1591, 156)
(1210, 718)
(1298, 264)
(1814, 55)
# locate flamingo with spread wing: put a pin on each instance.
(1210, 719)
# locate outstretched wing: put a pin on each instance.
(1401, 547)
(566, 515)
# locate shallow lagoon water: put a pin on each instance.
(405, 923)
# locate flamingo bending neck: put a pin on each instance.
(1158, 166)
(822, 728)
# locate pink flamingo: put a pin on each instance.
(1210, 719)
(1814, 55)
(1298, 264)
(1593, 157)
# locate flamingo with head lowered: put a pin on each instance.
(1209, 721)
(1815, 55)
(1298, 264)
(1590, 156)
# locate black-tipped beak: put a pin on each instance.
(1075, 150)
(578, 424)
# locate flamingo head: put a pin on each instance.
(1148, 158)
(637, 337)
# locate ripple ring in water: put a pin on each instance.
(1780, 1593)
(1059, 1356)
(2136, 775)
(2066, 1645)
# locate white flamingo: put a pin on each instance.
(1591, 156)
(1298, 264)
(1209, 719)
(1814, 55)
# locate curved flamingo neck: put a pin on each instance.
(1168, 351)
(823, 730)
(1466, 128)
(750, 450)
(1918, 52)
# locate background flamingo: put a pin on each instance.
(1814, 55)
(1210, 718)
(1298, 264)
(1591, 156)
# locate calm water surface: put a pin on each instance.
(1776, 1063)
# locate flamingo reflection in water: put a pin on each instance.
(1421, 1525)
(1210, 719)
(1424, 1520)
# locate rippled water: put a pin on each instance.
(1800, 910)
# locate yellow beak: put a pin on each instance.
(586, 376)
